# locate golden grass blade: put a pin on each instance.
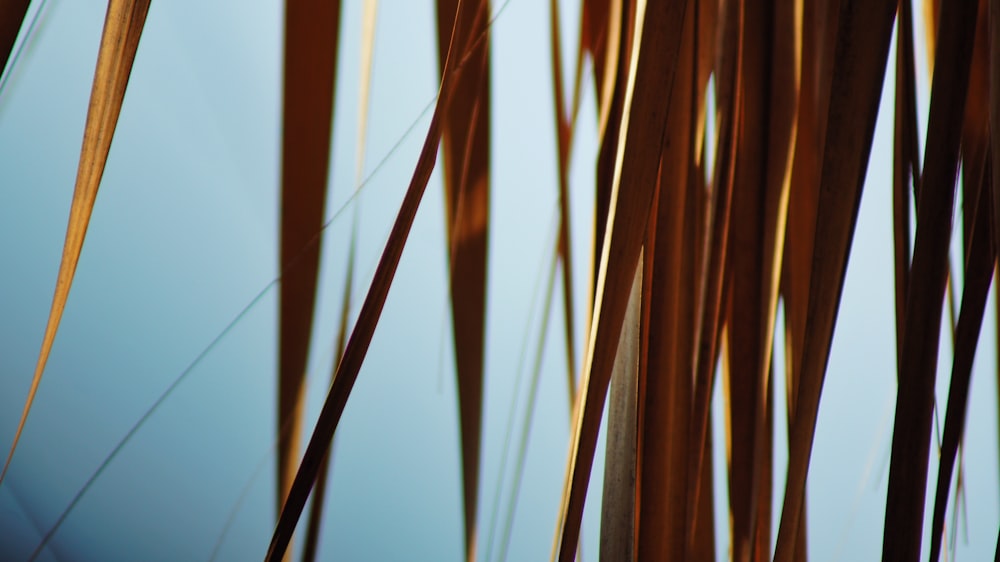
(357, 345)
(858, 67)
(906, 166)
(12, 14)
(932, 13)
(466, 154)
(310, 69)
(716, 281)
(119, 41)
(928, 275)
(563, 135)
(652, 67)
(619, 492)
(665, 382)
(978, 275)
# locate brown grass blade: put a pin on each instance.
(978, 275)
(906, 166)
(619, 492)
(369, 20)
(760, 203)
(975, 126)
(858, 67)
(665, 383)
(929, 272)
(357, 344)
(994, 81)
(12, 14)
(119, 41)
(611, 97)
(466, 151)
(310, 69)
(716, 281)
(652, 68)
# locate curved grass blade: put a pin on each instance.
(858, 68)
(310, 68)
(367, 57)
(119, 41)
(357, 345)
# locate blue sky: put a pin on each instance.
(183, 238)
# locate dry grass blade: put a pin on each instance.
(905, 163)
(563, 135)
(611, 99)
(119, 41)
(652, 68)
(466, 153)
(357, 345)
(994, 111)
(929, 272)
(12, 14)
(760, 203)
(978, 275)
(369, 19)
(665, 382)
(619, 490)
(975, 126)
(729, 77)
(858, 67)
(311, 39)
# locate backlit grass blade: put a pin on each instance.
(310, 68)
(928, 274)
(858, 68)
(651, 73)
(361, 336)
(12, 14)
(122, 29)
(466, 154)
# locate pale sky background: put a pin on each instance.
(183, 238)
